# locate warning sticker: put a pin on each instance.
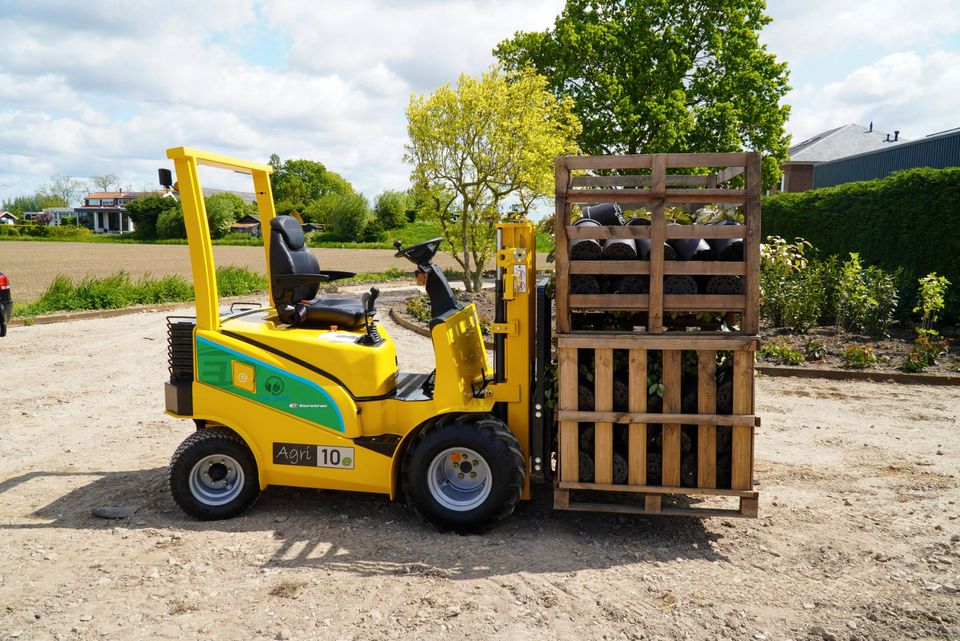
(520, 278)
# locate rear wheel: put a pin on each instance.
(465, 472)
(213, 475)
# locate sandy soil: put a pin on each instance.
(858, 535)
(31, 266)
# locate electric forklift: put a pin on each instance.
(307, 392)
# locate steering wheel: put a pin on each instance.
(419, 254)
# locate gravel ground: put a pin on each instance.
(858, 536)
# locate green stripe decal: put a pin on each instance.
(273, 387)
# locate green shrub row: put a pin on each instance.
(120, 290)
(45, 231)
(907, 220)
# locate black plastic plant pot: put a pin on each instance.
(585, 284)
(728, 249)
(680, 285)
(643, 244)
(724, 284)
(691, 248)
(631, 284)
(619, 249)
(607, 214)
(586, 248)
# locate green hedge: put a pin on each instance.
(910, 219)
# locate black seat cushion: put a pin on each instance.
(346, 313)
(289, 255)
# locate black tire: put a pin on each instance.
(217, 455)
(499, 451)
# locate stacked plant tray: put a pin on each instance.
(657, 328)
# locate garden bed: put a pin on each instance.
(822, 348)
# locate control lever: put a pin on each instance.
(372, 337)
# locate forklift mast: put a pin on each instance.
(514, 331)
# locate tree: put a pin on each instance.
(223, 210)
(297, 183)
(473, 147)
(391, 208)
(104, 182)
(146, 212)
(170, 223)
(36, 202)
(664, 76)
(349, 217)
(65, 188)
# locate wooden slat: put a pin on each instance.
(603, 401)
(671, 303)
(561, 499)
(722, 159)
(705, 231)
(673, 180)
(562, 247)
(618, 267)
(749, 507)
(644, 231)
(637, 434)
(628, 340)
(616, 231)
(751, 248)
(652, 507)
(635, 161)
(706, 404)
(728, 174)
(638, 417)
(672, 196)
(742, 454)
(671, 431)
(657, 238)
(569, 438)
(658, 489)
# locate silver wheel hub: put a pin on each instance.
(459, 479)
(216, 479)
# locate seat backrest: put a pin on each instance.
(289, 255)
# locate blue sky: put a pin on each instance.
(87, 89)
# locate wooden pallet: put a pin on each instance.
(656, 189)
(649, 501)
(642, 349)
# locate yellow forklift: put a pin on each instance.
(308, 392)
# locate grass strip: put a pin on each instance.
(121, 290)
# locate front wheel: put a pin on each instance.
(465, 472)
(213, 475)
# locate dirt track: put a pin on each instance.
(31, 266)
(858, 535)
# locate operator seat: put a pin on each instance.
(297, 304)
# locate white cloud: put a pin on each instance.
(825, 28)
(902, 91)
(87, 89)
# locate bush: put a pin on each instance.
(866, 298)
(373, 232)
(781, 351)
(858, 356)
(146, 213)
(349, 217)
(791, 300)
(391, 207)
(9, 230)
(68, 232)
(170, 224)
(907, 219)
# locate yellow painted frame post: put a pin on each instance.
(186, 162)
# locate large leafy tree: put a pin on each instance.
(37, 202)
(306, 185)
(650, 76)
(475, 146)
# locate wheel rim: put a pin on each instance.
(459, 479)
(216, 479)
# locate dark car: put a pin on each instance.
(6, 303)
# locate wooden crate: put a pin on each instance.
(654, 187)
(634, 352)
